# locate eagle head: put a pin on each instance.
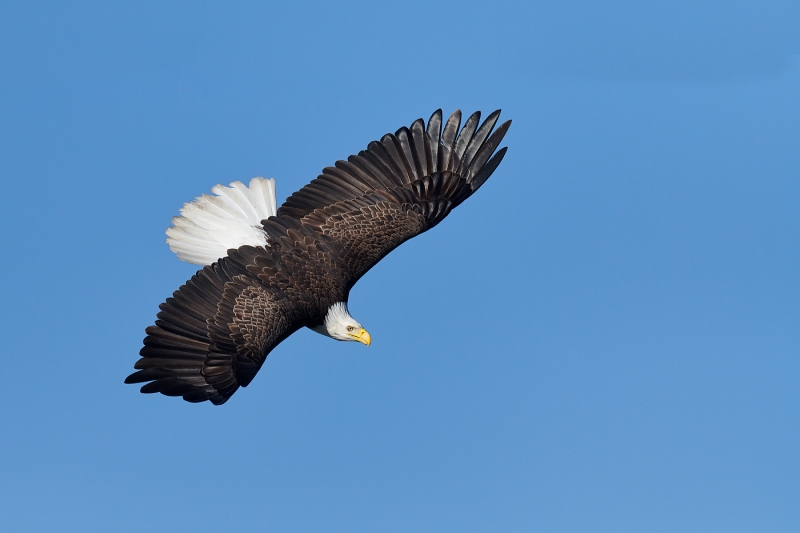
(341, 326)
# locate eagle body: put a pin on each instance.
(270, 271)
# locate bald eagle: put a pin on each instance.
(269, 271)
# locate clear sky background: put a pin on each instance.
(605, 338)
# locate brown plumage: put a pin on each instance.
(214, 334)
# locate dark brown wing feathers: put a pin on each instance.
(401, 159)
(214, 334)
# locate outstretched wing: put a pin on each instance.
(399, 187)
(214, 334)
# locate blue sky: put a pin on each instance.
(604, 338)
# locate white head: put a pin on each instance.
(341, 326)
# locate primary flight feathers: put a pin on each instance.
(271, 272)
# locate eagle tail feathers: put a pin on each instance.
(211, 225)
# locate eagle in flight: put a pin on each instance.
(269, 271)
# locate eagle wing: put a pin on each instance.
(398, 187)
(216, 331)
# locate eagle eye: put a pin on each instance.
(350, 328)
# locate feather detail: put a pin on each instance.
(211, 225)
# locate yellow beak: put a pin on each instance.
(363, 337)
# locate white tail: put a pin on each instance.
(211, 225)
